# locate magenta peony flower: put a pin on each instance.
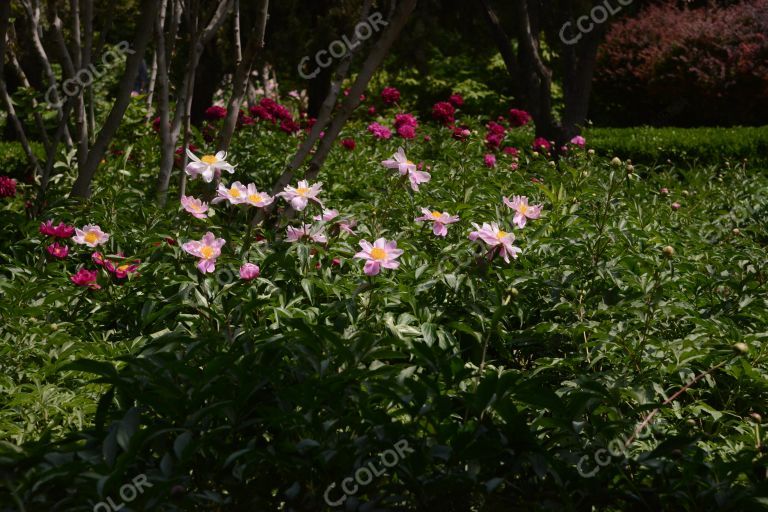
(511, 151)
(456, 100)
(406, 131)
(57, 250)
(541, 145)
(7, 187)
(443, 112)
(59, 231)
(390, 95)
(85, 277)
(214, 113)
(518, 117)
(461, 132)
(379, 131)
(406, 120)
(490, 160)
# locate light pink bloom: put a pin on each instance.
(381, 254)
(400, 162)
(440, 220)
(348, 226)
(405, 167)
(207, 249)
(255, 198)
(249, 271)
(523, 211)
(495, 237)
(579, 141)
(328, 215)
(194, 206)
(314, 233)
(235, 193)
(91, 235)
(208, 166)
(299, 197)
(676, 205)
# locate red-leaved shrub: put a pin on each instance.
(671, 65)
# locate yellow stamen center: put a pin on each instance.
(207, 252)
(234, 192)
(255, 198)
(123, 267)
(91, 237)
(436, 214)
(302, 191)
(501, 234)
(194, 207)
(378, 253)
(208, 159)
(522, 208)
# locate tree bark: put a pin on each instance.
(242, 72)
(85, 175)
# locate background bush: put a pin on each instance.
(685, 67)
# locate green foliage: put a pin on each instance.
(682, 145)
(236, 395)
(13, 159)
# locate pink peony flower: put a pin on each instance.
(348, 143)
(249, 271)
(443, 112)
(327, 216)
(440, 220)
(91, 235)
(664, 191)
(85, 277)
(371, 110)
(299, 197)
(511, 151)
(518, 117)
(208, 166)
(207, 249)
(676, 205)
(214, 113)
(194, 206)
(348, 226)
(461, 132)
(496, 238)
(58, 251)
(390, 95)
(456, 100)
(255, 198)
(523, 210)
(381, 254)
(379, 131)
(578, 140)
(405, 167)
(514, 166)
(490, 160)
(313, 233)
(236, 193)
(59, 231)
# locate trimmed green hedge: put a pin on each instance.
(656, 145)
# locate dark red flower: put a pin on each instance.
(443, 112)
(214, 113)
(518, 117)
(348, 143)
(456, 100)
(7, 187)
(390, 95)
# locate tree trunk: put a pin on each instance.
(85, 175)
(242, 72)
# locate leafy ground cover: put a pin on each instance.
(632, 319)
